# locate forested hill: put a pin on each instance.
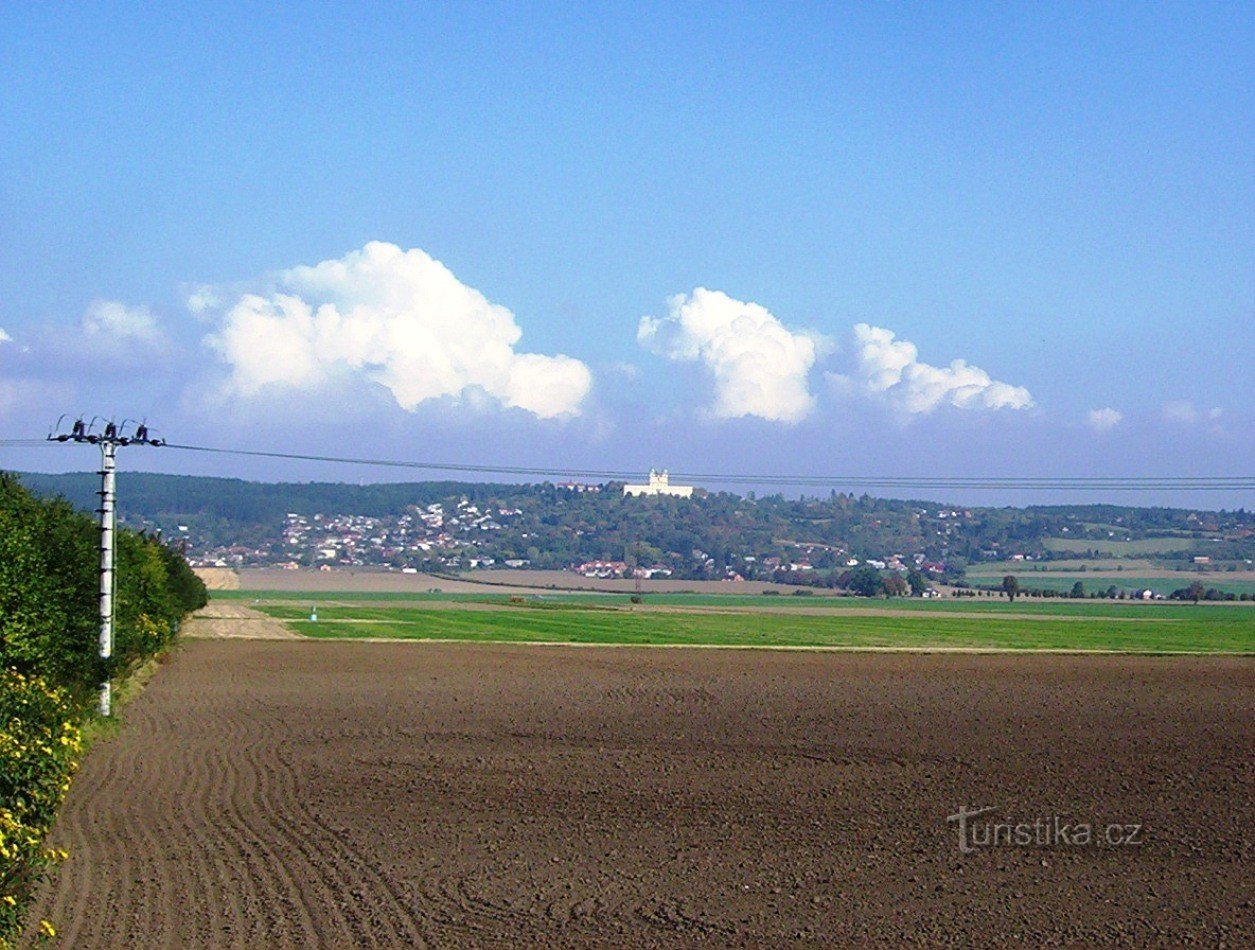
(450, 523)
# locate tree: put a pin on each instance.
(895, 586)
(1011, 586)
(1078, 590)
(917, 582)
(866, 582)
(1196, 591)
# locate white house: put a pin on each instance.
(659, 484)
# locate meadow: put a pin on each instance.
(731, 621)
(1123, 548)
(1161, 583)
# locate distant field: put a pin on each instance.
(1134, 565)
(374, 580)
(1080, 626)
(1101, 580)
(1123, 548)
(992, 605)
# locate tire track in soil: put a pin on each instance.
(81, 867)
(268, 881)
(348, 866)
(107, 791)
(292, 869)
(157, 902)
(295, 925)
(210, 817)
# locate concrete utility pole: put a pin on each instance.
(109, 440)
(108, 513)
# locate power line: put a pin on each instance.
(956, 482)
(1096, 483)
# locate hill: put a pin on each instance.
(456, 525)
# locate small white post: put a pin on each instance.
(108, 452)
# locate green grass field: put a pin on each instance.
(1130, 565)
(604, 620)
(1123, 581)
(1069, 608)
(1122, 548)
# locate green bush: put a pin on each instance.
(40, 742)
(49, 668)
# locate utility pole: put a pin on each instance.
(109, 441)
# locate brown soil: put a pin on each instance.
(476, 582)
(218, 578)
(228, 620)
(307, 793)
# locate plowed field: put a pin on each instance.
(297, 793)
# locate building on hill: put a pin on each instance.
(578, 487)
(659, 484)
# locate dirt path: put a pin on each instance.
(306, 793)
(223, 619)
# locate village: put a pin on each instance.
(460, 538)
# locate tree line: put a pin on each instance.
(49, 668)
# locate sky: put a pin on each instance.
(865, 239)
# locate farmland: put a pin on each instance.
(737, 621)
(1162, 582)
(301, 792)
(1121, 548)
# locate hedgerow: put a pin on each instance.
(49, 668)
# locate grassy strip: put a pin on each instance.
(1234, 633)
(1061, 608)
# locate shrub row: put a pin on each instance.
(49, 669)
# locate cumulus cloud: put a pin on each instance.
(1184, 412)
(760, 366)
(117, 321)
(397, 318)
(890, 368)
(1101, 420)
(4, 337)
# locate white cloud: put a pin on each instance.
(890, 368)
(628, 371)
(117, 321)
(760, 366)
(4, 337)
(1101, 420)
(1184, 412)
(203, 297)
(397, 318)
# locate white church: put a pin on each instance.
(659, 484)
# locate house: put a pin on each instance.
(602, 569)
(577, 487)
(659, 484)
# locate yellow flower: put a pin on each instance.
(47, 929)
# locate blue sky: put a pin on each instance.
(1061, 197)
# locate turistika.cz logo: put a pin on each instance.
(1051, 831)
